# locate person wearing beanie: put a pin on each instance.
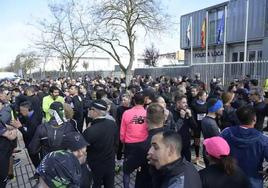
(102, 138)
(59, 169)
(209, 124)
(222, 170)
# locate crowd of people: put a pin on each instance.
(82, 132)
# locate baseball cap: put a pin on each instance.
(100, 105)
(74, 141)
(216, 147)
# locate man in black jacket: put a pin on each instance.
(255, 96)
(27, 125)
(184, 121)
(171, 169)
(101, 136)
(77, 105)
(48, 136)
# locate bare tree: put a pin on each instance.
(85, 65)
(151, 56)
(61, 33)
(24, 62)
(117, 24)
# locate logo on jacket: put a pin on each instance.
(138, 120)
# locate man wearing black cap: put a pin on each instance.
(101, 136)
(76, 143)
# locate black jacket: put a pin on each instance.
(183, 126)
(40, 141)
(179, 173)
(29, 126)
(101, 136)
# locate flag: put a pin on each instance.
(220, 30)
(188, 33)
(203, 34)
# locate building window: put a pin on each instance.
(241, 56)
(259, 57)
(252, 55)
(235, 57)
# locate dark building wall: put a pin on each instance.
(236, 22)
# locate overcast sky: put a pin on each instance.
(16, 31)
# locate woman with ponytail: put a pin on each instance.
(222, 171)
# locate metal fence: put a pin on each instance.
(256, 69)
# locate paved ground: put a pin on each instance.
(25, 170)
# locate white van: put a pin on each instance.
(8, 76)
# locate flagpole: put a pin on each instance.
(224, 45)
(246, 38)
(191, 41)
(206, 46)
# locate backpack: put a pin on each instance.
(55, 134)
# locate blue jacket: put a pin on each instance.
(249, 147)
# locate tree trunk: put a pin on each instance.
(128, 75)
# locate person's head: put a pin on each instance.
(59, 169)
(165, 148)
(155, 116)
(68, 110)
(126, 100)
(232, 88)
(101, 93)
(76, 143)
(149, 95)
(202, 95)
(197, 76)
(194, 91)
(29, 91)
(161, 101)
(139, 98)
(25, 108)
(215, 106)
(54, 92)
(247, 115)
(73, 90)
(98, 108)
(181, 102)
(16, 92)
(227, 97)
(56, 110)
(255, 95)
(218, 151)
(82, 89)
(4, 94)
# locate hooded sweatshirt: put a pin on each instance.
(249, 147)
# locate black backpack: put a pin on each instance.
(55, 134)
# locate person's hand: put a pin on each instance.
(182, 113)
(189, 113)
(16, 123)
(265, 175)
